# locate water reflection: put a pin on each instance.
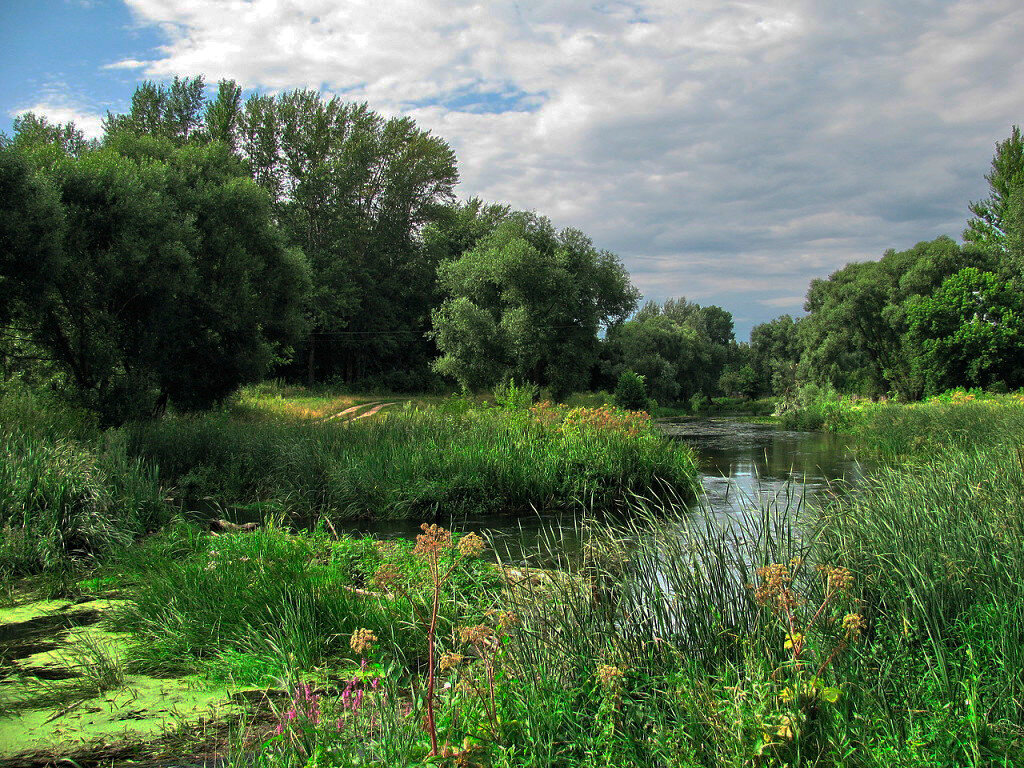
(744, 463)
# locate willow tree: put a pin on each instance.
(527, 302)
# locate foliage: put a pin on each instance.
(631, 391)
(408, 463)
(167, 280)
(855, 335)
(775, 353)
(970, 332)
(997, 224)
(515, 397)
(680, 348)
(527, 302)
(65, 492)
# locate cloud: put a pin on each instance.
(723, 148)
(89, 123)
(126, 64)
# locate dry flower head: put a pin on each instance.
(471, 545)
(433, 541)
(362, 641)
(609, 675)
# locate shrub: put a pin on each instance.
(631, 392)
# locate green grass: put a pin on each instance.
(410, 463)
(66, 491)
(254, 606)
(701, 674)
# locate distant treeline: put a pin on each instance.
(203, 243)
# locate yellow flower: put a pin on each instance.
(362, 641)
(785, 729)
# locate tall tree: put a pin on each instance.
(526, 301)
(354, 191)
(997, 219)
(172, 281)
(854, 336)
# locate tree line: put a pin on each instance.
(916, 322)
(207, 241)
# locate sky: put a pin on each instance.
(728, 152)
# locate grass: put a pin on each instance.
(66, 491)
(886, 629)
(410, 463)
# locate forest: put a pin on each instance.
(207, 243)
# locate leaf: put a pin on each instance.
(831, 695)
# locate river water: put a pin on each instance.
(741, 464)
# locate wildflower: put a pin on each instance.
(387, 577)
(471, 545)
(853, 625)
(609, 676)
(774, 588)
(476, 635)
(450, 660)
(794, 642)
(839, 579)
(785, 729)
(432, 541)
(362, 641)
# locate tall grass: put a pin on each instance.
(66, 491)
(885, 629)
(407, 464)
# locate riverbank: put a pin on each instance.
(882, 628)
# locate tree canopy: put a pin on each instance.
(526, 302)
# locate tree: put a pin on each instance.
(680, 347)
(775, 353)
(527, 302)
(854, 336)
(174, 112)
(354, 191)
(970, 332)
(172, 281)
(997, 219)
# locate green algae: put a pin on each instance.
(52, 702)
(143, 707)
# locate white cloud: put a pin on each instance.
(727, 149)
(126, 64)
(89, 123)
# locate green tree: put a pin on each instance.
(172, 112)
(527, 302)
(631, 391)
(998, 218)
(970, 332)
(172, 281)
(855, 334)
(680, 347)
(775, 352)
(354, 191)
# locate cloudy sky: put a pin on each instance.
(729, 152)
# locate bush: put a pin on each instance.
(631, 392)
(515, 397)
